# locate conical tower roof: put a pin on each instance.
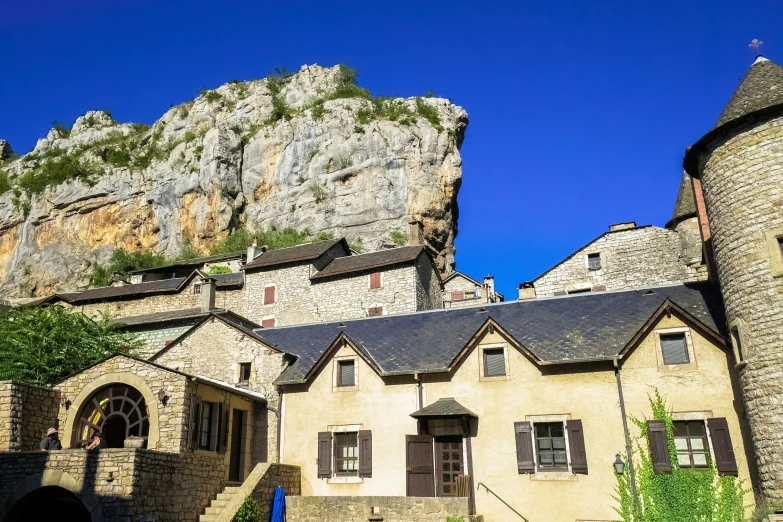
(685, 206)
(761, 87)
(760, 93)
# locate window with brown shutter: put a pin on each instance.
(375, 280)
(524, 442)
(690, 439)
(725, 461)
(269, 295)
(550, 446)
(268, 323)
(576, 446)
(365, 453)
(346, 453)
(375, 311)
(659, 446)
(324, 454)
(457, 296)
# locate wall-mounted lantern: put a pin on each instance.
(619, 465)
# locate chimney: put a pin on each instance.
(251, 251)
(208, 287)
(416, 236)
(622, 226)
(489, 284)
(527, 291)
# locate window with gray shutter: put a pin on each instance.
(675, 348)
(365, 453)
(524, 443)
(494, 363)
(346, 373)
(324, 454)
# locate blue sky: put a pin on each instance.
(579, 111)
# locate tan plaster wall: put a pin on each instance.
(585, 392)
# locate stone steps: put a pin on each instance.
(216, 507)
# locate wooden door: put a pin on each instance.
(448, 453)
(235, 457)
(420, 468)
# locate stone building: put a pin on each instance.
(738, 165)
(462, 290)
(207, 264)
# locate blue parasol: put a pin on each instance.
(278, 506)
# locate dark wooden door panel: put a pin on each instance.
(450, 465)
(235, 458)
(420, 466)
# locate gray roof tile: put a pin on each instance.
(295, 254)
(566, 329)
(371, 261)
(446, 407)
(761, 87)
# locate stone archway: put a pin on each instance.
(29, 499)
(104, 380)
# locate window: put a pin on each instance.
(471, 295)
(346, 373)
(675, 348)
(244, 372)
(375, 280)
(594, 261)
(268, 323)
(346, 453)
(780, 244)
(269, 294)
(196, 289)
(494, 362)
(375, 311)
(550, 446)
(206, 425)
(690, 439)
(737, 342)
(579, 291)
(457, 296)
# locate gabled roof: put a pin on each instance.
(370, 261)
(759, 95)
(164, 286)
(446, 407)
(457, 273)
(575, 252)
(161, 317)
(294, 254)
(196, 261)
(577, 328)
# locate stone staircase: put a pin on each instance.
(216, 507)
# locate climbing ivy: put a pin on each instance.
(684, 495)
(249, 511)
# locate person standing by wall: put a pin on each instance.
(51, 441)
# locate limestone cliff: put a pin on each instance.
(309, 150)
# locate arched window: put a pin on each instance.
(118, 411)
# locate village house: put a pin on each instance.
(462, 290)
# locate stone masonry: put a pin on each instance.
(26, 412)
(742, 177)
(118, 485)
(359, 509)
(630, 258)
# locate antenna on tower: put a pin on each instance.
(755, 43)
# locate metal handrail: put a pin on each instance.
(503, 501)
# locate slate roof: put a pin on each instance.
(164, 286)
(371, 261)
(759, 93)
(761, 87)
(567, 329)
(446, 407)
(685, 205)
(161, 317)
(295, 254)
(196, 261)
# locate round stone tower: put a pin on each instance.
(740, 165)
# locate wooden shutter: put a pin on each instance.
(269, 295)
(267, 323)
(375, 280)
(324, 454)
(523, 432)
(225, 409)
(659, 446)
(195, 421)
(365, 453)
(457, 296)
(725, 461)
(375, 311)
(576, 446)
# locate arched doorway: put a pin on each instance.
(118, 411)
(49, 503)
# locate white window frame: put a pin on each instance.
(335, 479)
(493, 346)
(272, 285)
(336, 370)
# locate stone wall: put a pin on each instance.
(630, 258)
(742, 178)
(294, 297)
(171, 420)
(215, 349)
(26, 412)
(126, 484)
(155, 337)
(356, 509)
(289, 477)
(427, 285)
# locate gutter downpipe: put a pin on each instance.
(419, 390)
(628, 447)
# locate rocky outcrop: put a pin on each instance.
(5, 150)
(283, 152)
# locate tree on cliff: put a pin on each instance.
(40, 345)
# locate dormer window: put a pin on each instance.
(346, 373)
(675, 348)
(594, 261)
